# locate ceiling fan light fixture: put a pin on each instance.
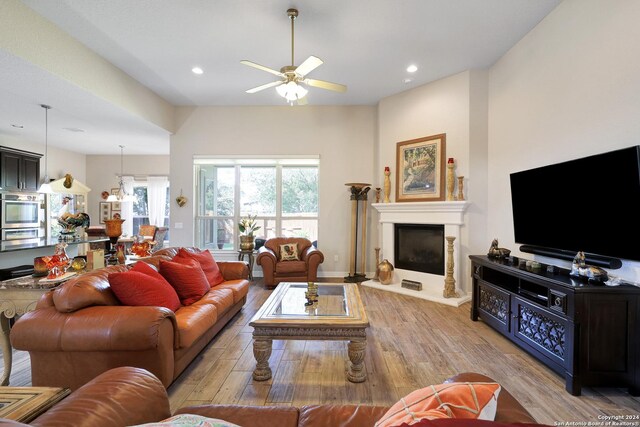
(121, 195)
(291, 91)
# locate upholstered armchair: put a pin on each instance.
(276, 270)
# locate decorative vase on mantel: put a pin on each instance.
(247, 243)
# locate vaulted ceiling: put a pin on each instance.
(365, 44)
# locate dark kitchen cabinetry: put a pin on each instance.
(585, 332)
(19, 170)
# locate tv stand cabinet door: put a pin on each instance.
(545, 334)
(493, 305)
(609, 340)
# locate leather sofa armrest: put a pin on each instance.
(509, 409)
(118, 397)
(266, 255)
(98, 328)
(234, 270)
(267, 260)
(312, 254)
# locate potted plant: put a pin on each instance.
(247, 226)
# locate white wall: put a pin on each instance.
(457, 106)
(568, 89)
(343, 137)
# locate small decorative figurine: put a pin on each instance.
(312, 294)
(592, 273)
(58, 262)
(496, 252)
(378, 189)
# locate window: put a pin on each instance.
(283, 193)
(141, 208)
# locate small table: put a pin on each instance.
(17, 296)
(338, 315)
(251, 255)
(25, 404)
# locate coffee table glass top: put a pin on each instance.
(331, 302)
(338, 304)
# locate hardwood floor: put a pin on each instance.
(411, 343)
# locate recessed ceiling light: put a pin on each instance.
(407, 80)
(197, 70)
(17, 126)
(412, 68)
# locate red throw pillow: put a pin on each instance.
(207, 263)
(136, 288)
(187, 278)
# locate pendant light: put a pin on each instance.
(45, 186)
(122, 195)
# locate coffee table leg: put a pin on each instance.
(262, 352)
(356, 372)
(6, 349)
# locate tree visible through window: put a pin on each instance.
(282, 193)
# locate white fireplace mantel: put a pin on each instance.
(449, 214)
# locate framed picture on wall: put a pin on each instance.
(114, 191)
(420, 169)
(115, 206)
(105, 211)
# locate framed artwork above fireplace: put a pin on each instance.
(420, 169)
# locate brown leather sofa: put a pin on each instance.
(128, 396)
(275, 270)
(80, 329)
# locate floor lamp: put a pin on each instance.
(358, 194)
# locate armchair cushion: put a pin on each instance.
(289, 252)
(275, 244)
(289, 267)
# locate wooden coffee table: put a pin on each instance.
(338, 315)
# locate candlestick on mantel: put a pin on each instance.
(450, 179)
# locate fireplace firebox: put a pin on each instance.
(419, 247)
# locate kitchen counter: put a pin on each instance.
(45, 243)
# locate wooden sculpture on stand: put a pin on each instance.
(358, 194)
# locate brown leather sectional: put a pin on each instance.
(80, 329)
(129, 396)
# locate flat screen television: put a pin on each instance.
(588, 204)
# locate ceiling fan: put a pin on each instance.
(290, 86)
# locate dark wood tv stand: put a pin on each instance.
(585, 332)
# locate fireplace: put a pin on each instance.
(412, 238)
(419, 247)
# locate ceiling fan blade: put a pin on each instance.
(261, 67)
(303, 100)
(266, 86)
(326, 85)
(309, 64)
